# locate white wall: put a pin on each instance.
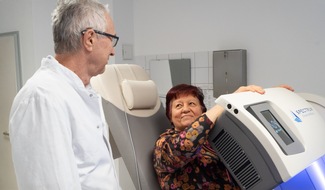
(285, 40)
(123, 19)
(42, 29)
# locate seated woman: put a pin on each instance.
(183, 157)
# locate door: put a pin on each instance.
(10, 82)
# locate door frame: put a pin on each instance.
(15, 36)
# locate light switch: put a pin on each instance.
(127, 51)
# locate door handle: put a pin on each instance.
(6, 133)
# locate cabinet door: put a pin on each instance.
(229, 71)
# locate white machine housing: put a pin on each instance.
(267, 139)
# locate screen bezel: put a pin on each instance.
(293, 148)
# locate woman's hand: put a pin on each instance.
(286, 86)
(252, 88)
(258, 89)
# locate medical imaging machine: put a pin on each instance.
(267, 139)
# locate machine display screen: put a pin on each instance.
(277, 127)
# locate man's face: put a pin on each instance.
(103, 49)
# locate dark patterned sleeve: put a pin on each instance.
(174, 150)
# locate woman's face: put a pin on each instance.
(184, 110)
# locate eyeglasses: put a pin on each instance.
(113, 38)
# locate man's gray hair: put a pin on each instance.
(71, 17)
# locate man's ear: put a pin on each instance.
(88, 40)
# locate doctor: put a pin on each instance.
(57, 127)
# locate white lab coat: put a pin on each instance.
(57, 130)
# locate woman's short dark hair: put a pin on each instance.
(183, 89)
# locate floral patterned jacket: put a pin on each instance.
(185, 159)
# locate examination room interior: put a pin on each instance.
(284, 41)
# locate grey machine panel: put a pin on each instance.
(235, 151)
(229, 71)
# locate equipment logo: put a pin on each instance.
(304, 112)
(295, 117)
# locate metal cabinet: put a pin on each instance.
(229, 71)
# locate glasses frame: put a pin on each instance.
(113, 38)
